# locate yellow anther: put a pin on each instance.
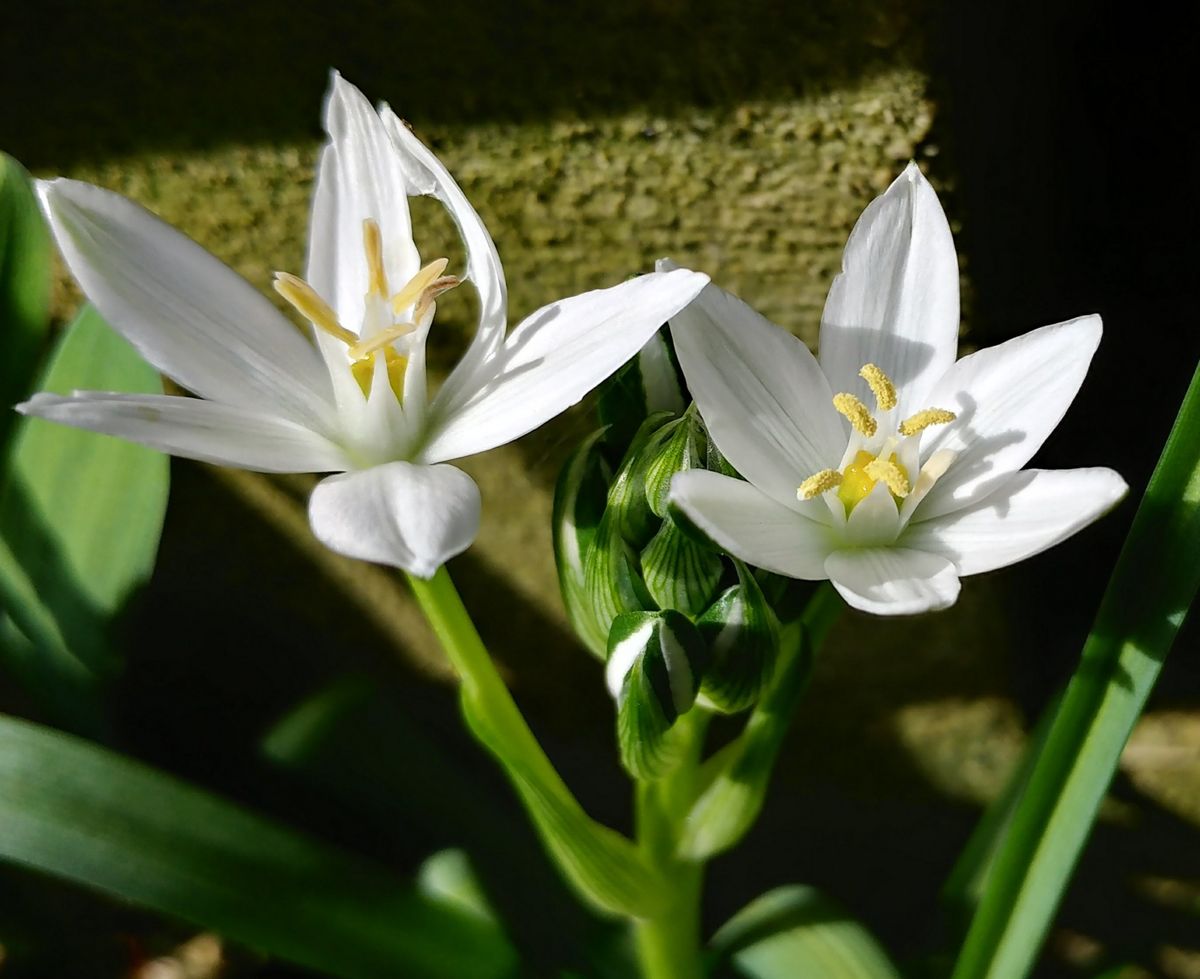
(881, 386)
(373, 246)
(307, 303)
(889, 473)
(856, 413)
(417, 284)
(923, 419)
(819, 483)
(362, 349)
(364, 372)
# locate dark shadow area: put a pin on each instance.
(97, 79)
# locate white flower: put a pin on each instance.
(886, 467)
(356, 402)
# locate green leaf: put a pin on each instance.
(734, 781)
(80, 518)
(580, 495)
(25, 275)
(655, 661)
(1148, 596)
(447, 877)
(77, 811)
(796, 933)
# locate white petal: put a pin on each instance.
(750, 525)
(760, 391)
(895, 303)
(360, 175)
(875, 522)
(195, 429)
(411, 516)
(428, 177)
(192, 317)
(1032, 511)
(893, 580)
(555, 357)
(1008, 399)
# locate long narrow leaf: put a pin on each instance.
(25, 272)
(1148, 596)
(80, 812)
(80, 518)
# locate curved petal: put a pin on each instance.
(1008, 398)
(411, 516)
(875, 522)
(750, 525)
(194, 429)
(192, 317)
(1032, 511)
(360, 176)
(553, 358)
(760, 392)
(893, 580)
(895, 303)
(428, 177)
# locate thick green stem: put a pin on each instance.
(668, 944)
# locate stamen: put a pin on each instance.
(889, 473)
(362, 349)
(373, 246)
(304, 299)
(923, 419)
(819, 483)
(881, 386)
(417, 284)
(439, 285)
(856, 413)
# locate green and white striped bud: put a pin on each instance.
(655, 664)
(580, 496)
(741, 634)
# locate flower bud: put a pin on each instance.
(741, 634)
(655, 662)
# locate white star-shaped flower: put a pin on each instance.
(356, 401)
(885, 466)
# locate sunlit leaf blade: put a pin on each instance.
(448, 878)
(25, 274)
(735, 779)
(82, 513)
(1147, 599)
(77, 811)
(794, 932)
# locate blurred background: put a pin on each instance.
(741, 139)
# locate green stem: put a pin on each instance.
(668, 944)
(481, 684)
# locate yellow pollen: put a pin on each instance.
(304, 299)
(819, 483)
(923, 419)
(362, 349)
(856, 413)
(417, 284)
(881, 386)
(373, 246)
(889, 473)
(364, 372)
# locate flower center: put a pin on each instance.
(875, 442)
(386, 320)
